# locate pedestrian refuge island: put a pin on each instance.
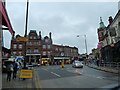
(26, 73)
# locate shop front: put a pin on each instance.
(59, 60)
(32, 58)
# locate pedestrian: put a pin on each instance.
(15, 68)
(97, 62)
(18, 65)
(9, 68)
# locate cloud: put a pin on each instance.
(65, 20)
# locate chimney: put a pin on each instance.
(40, 35)
(50, 35)
(110, 19)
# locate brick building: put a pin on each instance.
(41, 49)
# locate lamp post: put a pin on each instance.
(26, 31)
(85, 43)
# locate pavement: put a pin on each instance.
(106, 69)
(20, 83)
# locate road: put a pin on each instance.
(68, 77)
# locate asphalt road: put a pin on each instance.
(68, 77)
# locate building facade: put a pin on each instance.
(42, 50)
(110, 46)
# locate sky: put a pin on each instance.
(65, 20)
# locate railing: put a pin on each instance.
(114, 65)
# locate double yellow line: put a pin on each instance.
(37, 81)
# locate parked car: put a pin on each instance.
(77, 64)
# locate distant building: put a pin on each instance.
(42, 50)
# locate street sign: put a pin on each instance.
(25, 73)
(24, 39)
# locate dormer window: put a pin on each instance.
(34, 37)
(46, 40)
(30, 37)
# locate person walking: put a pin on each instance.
(15, 68)
(9, 71)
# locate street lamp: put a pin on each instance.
(85, 43)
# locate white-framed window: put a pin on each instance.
(44, 46)
(14, 53)
(30, 43)
(34, 37)
(29, 50)
(30, 37)
(44, 53)
(49, 46)
(14, 46)
(20, 53)
(20, 46)
(36, 50)
(46, 40)
(56, 49)
(48, 52)
(38, 43)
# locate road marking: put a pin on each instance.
(45, 69)
(100, 77)
(55, 74)
(37, 81)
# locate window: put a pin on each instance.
(20, 46)
(30, 43)
(46, 40)
(30, 37)
(29, 50)
(44, 53)
(35, 50)
(44, 46)
(14, 46)
(56, 49)
(49, 46)
(14, 53)
(48, 52)
(20, 53)
(27, 43)
(34, 37)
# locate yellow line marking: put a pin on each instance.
(37, 81)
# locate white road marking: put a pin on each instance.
(45, 69)
(100, 77)
(55, 74)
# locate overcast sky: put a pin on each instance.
(65, 20)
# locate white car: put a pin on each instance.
(77, 64)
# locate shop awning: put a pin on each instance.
(4, 19)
